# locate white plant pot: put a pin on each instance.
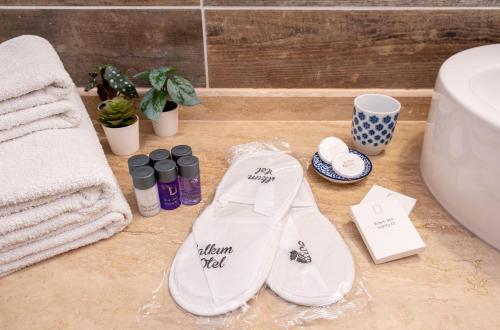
(168, 123)
(124, 140)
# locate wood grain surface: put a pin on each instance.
(415, 3)
(361, 3)
(268, 108)
(382, 48)
(116, 283)
(100, 2)
(133, 40)
(340, 49)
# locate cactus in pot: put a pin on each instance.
(121, 125)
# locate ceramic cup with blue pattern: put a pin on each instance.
(373, 122)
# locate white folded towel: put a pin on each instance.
(34, 88)
(57, 193)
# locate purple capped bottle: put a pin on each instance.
(189, 180)
(168, 187)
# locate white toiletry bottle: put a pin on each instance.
(146, 192)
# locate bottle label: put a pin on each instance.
(149, 209)
(147, 201)
(169, 195)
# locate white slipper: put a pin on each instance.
(313, 265)
(228, 256)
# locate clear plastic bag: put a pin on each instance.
(161, 312)
(266, 309)
(287, 315)
(238, 151)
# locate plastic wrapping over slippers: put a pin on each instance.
(263, 229)
(162, 312)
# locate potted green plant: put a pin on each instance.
(110, 82)
(116, 110)
(160, 103)
(120, 125)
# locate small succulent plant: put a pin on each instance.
(165, 86)
(112, 83)
(117, 112)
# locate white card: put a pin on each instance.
(387, 231)
(378, 192)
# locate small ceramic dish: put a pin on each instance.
(326, 171)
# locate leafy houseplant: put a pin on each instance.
(110, 82)
(121, 125)
(167, 91)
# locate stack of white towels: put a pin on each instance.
(57, 190)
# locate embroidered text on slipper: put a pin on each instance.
(302, 255)
(213, 254)
(262, 174)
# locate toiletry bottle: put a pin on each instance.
(137, 161)
(146, 192)
(159, 154)
(189, 180)
(181, 151)
(168, 187)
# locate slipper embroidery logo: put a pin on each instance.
(262, 174)
(302, 255)
(214, 257)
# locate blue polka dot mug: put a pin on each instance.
(373, 122)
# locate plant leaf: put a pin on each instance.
(152, 104)
(117, 112)
(167, 69)
(181, 91)
(94, 74)
(128, 122)
(117, 122)
(159, 101)
(146, 106)
(157, 79)
(144, 75)
(101, 91)
(91, 84)
(119, 82)
(112, 93)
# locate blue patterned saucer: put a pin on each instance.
(326, 171)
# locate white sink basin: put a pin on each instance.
(460, 160)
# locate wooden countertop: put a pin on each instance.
(455, 283)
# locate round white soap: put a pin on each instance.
(330, 147)
(348, 165)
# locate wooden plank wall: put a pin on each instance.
(261, 44)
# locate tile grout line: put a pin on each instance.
(344, 8)
(205, 47)
(249, 8)
(99, 7)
